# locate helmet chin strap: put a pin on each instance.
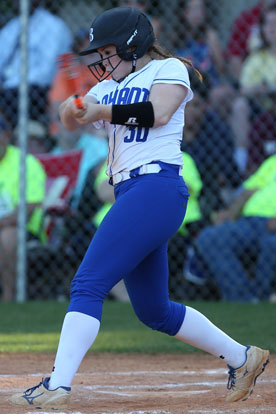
(134, 61)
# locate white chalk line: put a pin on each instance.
(153, 386)
(139, 412)
(158, 386)
(130, 373)
(56, 412)
(120, 394)
(110, 412)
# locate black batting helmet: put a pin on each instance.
(125, 27)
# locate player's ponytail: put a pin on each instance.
(157, 52)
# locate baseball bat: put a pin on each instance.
(68, 63)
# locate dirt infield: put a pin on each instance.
(139, 384)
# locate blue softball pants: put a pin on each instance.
(131, 244)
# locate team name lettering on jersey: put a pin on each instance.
(126, 96)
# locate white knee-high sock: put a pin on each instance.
(198, 331)
(77, 335)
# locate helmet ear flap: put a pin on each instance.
(127, 54)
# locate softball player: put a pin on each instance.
(140, 100)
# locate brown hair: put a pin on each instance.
(157, 52)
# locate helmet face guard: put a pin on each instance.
(97, 67)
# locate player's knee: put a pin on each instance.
(156, 325)
(165, 316)
(162, 322)
(84, 287)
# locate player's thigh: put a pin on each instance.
(140, 220)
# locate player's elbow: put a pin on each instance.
(162, 114)
(161, 119)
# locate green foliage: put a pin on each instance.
(35, 327)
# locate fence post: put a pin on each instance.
(21, 291)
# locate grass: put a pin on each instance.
(35, 327)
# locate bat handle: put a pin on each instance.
(78, 102)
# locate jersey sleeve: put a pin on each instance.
(173, 71)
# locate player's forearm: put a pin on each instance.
(104, 112)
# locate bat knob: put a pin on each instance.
(78, 102)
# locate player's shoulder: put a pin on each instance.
(171, 61)
(171, 69)
(172, 66)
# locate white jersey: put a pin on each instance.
(130, 146)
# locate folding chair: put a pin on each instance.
(62, 173)
(48, 271)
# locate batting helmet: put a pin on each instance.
(125, 27)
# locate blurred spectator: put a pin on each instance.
(207, 138)
(262, 136)
(143, 6)
(257, 81)
(244, 36)
(183, 240)
(61, 89)
(247, 226)
(258, 73)
(94, 150)
(39, 142)
(193, 216)
(48, 37)
(9, 199)
(200, 42)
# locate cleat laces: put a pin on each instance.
(231, 378)
(29, 391)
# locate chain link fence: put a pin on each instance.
(226, 247)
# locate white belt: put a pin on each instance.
(126, 175)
